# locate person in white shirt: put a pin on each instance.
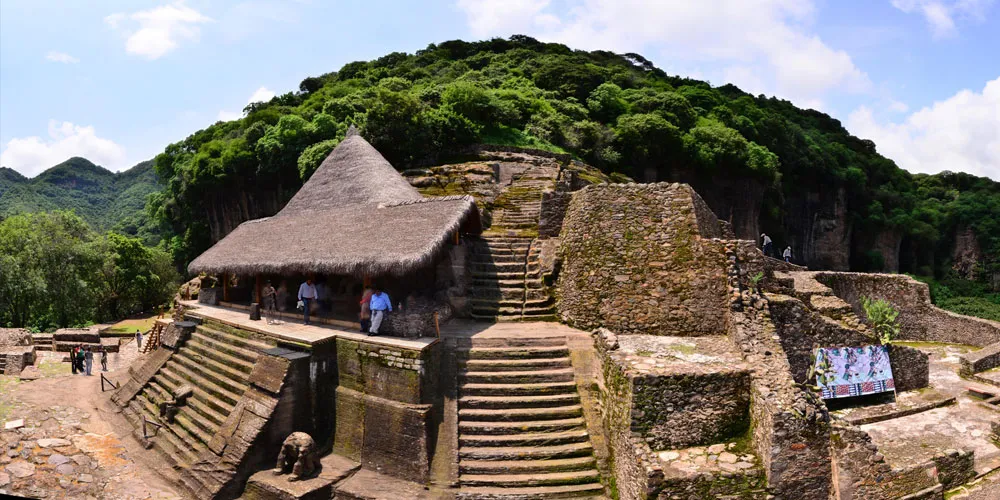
(788, 254)
(307, 294)
(766, 244)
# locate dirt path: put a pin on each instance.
(70, 445)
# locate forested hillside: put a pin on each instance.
(759, 162)
(104, 199)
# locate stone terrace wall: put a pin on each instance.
(790, 426)
(635, 261)
(553, 212)
(921, 320)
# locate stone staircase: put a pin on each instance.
(520, 204)
(216, 361)
(43, 341)
(507, 281)
(521, 428)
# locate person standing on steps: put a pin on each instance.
(270, 299)
(787, 254)
(307, 294)
(766, 244)
(104, 359)
(380, 304)
(89, 359)
(138, 338)
(366, 311)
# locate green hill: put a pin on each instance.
(760, 162)
(106, 200)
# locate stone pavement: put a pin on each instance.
(963, 425)
(61, 445)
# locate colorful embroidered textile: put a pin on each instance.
(843, 372)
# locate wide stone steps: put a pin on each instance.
(526, 439)
(238, 355)
(526, 452)
(218, 331)
(509, 402)
(536, 479)
(518, 364)
(519, 352)
(181, 374)
(182, 445)
(215, 397)
(526, 466)
(209, 370)
(505, 389)
(515, 377)
(518, 427)
(211, 360)
(579, 491)
(520, 414)
(209, 415)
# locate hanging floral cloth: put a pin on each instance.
(843, 372)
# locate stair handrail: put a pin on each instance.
(110, 382)
(150, 422)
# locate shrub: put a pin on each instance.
(882, 315)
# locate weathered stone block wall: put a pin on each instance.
(984, 359)
(861, 473)
(801, 330)
(634, 260)
(675, 411)
(384, 402)
(920, 319)
(629, 455)
(790, 429)
(454, 280)
(910, 368)
(753, 261)
(210, 296)
(554, 205)
(955, 468)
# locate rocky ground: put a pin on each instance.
(58, 441)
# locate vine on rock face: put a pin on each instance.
(883, 317)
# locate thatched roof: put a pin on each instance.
(356, 215)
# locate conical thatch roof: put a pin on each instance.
(356, 215)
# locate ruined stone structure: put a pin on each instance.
(695, 383)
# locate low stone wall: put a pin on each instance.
(920, 320)
(554, 206)
(984, 359)
(384, 407)
(910, 368)
(210, 296)
(419, 318)
(802, 330)
(17, 357)
(634, 261)
(861, 472)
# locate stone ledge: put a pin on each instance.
(265, 485)
(979, 361)
(909, 403)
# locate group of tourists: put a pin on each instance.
(375, 304)
(81, 359)
(766, 245)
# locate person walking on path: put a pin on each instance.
(787, 254)
(766, 244)
(138, 338)
(366, 310)
(79, 358)
(307, 294)
(270, 298)
(72, 360)
(89, 359)
(104, 359)
(379, 304)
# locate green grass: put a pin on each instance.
(971, 298)
(7, 386)
(506, 136)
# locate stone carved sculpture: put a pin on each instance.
(170, 407)
(298, 456)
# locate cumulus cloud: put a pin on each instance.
(262, 94)
(31, 155)
(160, 29)
(941, 14)
(761, 44)
(61, 57)
(961, 133)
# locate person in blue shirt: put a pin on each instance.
(379, 305)
(307, 294)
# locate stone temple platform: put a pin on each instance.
(297, 332)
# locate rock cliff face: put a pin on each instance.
(966, 253)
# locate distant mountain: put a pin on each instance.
(106, 200)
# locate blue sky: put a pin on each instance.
(116, 81)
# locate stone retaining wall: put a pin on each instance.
(634, 260)
(554, 206)
(984, 359)
(861, 472)
(920, 320)
(910, 368)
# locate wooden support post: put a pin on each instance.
(366, 281)
(457, 241)
(257, 291)
(225, 287)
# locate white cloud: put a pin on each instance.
(898, 106)
(941, 14)
(761, 44)
(31, 155)
(161, 29)
(262, 94)
(61, 57)
(961, 133)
